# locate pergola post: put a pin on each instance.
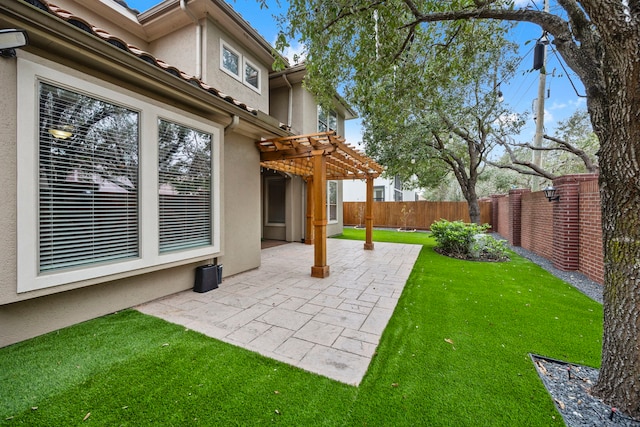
(368, 215)
(308, 232)
(320, 268)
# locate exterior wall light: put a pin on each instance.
(550, 193)
(10, 39)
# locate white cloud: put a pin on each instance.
(296, 49)
(557, 106)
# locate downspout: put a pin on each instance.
(235, 121)
(185, 9)
(290, 108)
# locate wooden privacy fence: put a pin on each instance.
(419, 215)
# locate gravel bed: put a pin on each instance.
(569, 385)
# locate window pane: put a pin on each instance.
(88, 167)
(251, 76)
(333, 120)
(322, 120)
(230, 61)
(184, 176)
(332, 201)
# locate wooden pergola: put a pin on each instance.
(319, 157)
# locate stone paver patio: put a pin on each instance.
(328, 326)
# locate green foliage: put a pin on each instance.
(455, 237)
(463, 240)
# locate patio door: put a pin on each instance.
(274, 216)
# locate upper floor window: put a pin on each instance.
(239, 67)
(378, 193)
(397, 189)
(251, 75)
(327, 120)
(230, 60)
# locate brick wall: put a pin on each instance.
(568, 232)
(591, 257)
(537, 224)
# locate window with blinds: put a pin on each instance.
(185, 200)
(88, 180)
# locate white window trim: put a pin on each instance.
(224, 45)
(29, 278)
(329, 220)
(246, 62)
(243, 61)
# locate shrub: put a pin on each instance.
(468, 241)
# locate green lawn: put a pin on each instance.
(455, 353)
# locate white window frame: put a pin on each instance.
(243, 62)
(329, 219)
(224, 45)
(246, 63)
(29, 278)
(323, 117)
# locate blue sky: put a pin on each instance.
(519, 92)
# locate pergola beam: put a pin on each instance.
(319, 157)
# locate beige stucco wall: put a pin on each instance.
(177, 49)
(27, 319)
(241, 205)
(214, 76)
(8, 216)
(279, 104)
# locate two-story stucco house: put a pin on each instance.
(135, 147)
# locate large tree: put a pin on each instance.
(600, 41)
(571, 150)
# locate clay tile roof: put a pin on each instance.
(79, 22)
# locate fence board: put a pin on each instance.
(412, 215)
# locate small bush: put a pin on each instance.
(468, 241)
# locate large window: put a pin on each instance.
(332, 201)
(88, 186)
(239, 67)
(109, 183)
(184, 176)
(327, 120)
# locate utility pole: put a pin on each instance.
(542, 84)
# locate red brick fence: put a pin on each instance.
(568, 232)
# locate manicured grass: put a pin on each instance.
(132, 369)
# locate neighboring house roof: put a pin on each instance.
(145, 56)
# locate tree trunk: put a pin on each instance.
(615, 115)
(473, 205)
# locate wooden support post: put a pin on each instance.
(368, 215)
(308, 232)
(320, 267)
